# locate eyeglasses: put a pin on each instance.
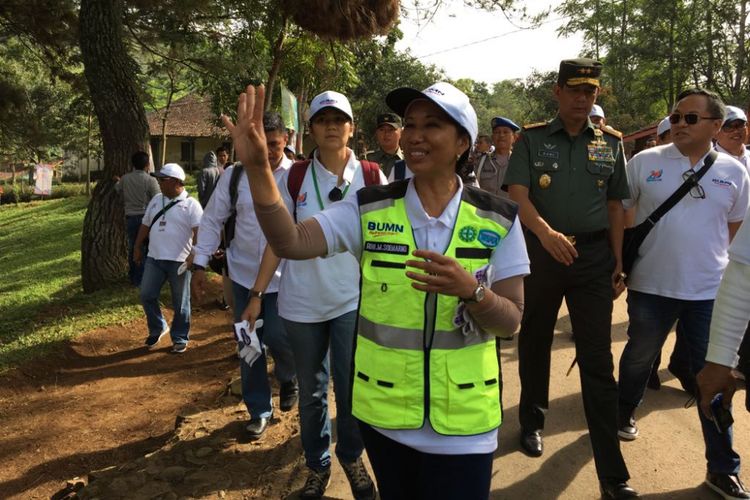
(690, 118)
(696, 191)
(336, 194)
(733, 125)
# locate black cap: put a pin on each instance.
(389, 119)
(582, 71)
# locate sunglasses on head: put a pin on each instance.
(690, 118)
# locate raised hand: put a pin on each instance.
(248, 135)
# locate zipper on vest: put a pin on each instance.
(430, 311)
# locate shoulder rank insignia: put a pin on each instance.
(531, 126)
(612, 131)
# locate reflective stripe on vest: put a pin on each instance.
(400, 327)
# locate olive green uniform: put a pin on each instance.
(385, 160)
(570, 180)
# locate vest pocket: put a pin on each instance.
(387, 387)
(473, 389)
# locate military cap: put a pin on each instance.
(579, 72)
(389, 119)
(501, 121)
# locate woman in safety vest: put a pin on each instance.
(318, 298)
(442, 268)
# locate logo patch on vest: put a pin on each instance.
(467, 234)
(302, 199)
(489, 238)
(384, 228)
(385, 247)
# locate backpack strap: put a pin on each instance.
(371, 172)
(399, 170)
(234, 183)
(294, 181)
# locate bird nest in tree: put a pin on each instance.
(343, 19)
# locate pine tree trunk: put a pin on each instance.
(110, 73)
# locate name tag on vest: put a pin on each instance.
(385, 247)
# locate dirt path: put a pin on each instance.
(106, 401)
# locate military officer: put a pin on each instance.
(388, 134)
(568, 178)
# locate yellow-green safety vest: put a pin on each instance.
(411, 359)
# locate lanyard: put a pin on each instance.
(317, 191)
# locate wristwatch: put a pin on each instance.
(477, 296)
(255, 294)
(196, 267)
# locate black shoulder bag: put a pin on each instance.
(634, 236)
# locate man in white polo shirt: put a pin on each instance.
(732, 137)
(170, 223)
(244, 252)
(681, 262)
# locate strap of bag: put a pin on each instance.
(371, 172)
(686, 186)
(161, 212)
(234, 183)
(294, 182)
(399, 170)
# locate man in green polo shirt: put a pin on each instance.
(388, 134)
(568, 178)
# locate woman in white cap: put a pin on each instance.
(442, 268)
(318, 297)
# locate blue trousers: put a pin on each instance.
(155, 274)
(318, 348)
(651, 319)
(256, 391)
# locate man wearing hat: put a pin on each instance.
(388, 133)
(664, 132)
(490, 170)
(597, 116)
(171, 224)
(732, 136)
(568, 178)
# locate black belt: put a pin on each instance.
(590, 237)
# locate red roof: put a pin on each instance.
(190, 116)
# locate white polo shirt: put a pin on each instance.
(171, 237)
(739, 250)
(246, 248)
(685, 254)
(744, 158)
(320, 289)
(341, 227)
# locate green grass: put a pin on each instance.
(41, 300)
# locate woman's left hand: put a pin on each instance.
(441, 274)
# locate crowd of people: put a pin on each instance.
(396, 275)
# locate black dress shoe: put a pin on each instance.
(531, 443)
(727, 485)
(288, 395)
(616, 490)
(257, 426)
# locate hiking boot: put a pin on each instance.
(316, 484)
(288, 395)
(728, 486)
(359, 479)
(152, 340)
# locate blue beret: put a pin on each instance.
(500, 121)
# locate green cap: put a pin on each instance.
(581, 71)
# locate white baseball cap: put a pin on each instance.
(663, 126)
(171, 170)
(449, 98)
(331, 99)
(597, 110)
(734, 113)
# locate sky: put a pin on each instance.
(485, 46)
